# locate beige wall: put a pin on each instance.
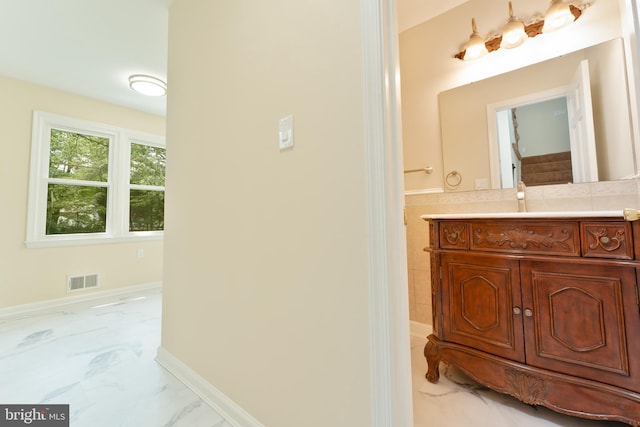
(33, 275)
(265, 287)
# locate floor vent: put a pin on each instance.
(77, 283)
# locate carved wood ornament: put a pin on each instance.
(455, 235)
(527, 388)
(521, 238)
(606, 242)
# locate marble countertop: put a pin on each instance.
(518, 215)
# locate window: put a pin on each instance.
(93, 183)
(77, 183)
(146, 183)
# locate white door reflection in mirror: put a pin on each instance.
(581, 129)
(534, 143)
(509, 172)
(546, 137)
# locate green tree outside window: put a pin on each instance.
(146, 196)
(73, 206)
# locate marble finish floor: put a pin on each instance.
(98, 357)
(458, 401)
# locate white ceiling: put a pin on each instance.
(414, 12)
(90, 47)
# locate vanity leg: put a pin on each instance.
(432, 354)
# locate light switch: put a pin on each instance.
(285, 133)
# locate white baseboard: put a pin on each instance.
(17, 310)
(420, 330)
(221, 403)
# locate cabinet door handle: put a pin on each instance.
(528, 312)
(516, 310)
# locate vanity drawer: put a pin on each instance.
(607, 239)
(454, 235)
(532, 237)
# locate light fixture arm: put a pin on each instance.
(474, 27)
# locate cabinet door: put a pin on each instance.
(582, 319)
(479, 294)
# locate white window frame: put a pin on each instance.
(120, 140)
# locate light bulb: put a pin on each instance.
(513, 34)
(558, 15)
(475, 48)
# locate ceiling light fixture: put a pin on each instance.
(513, 34)
(147, 85)
(516, 32)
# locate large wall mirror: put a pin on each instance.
(571, 112)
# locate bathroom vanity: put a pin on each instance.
(543, 307)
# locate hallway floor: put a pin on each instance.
(99, 358)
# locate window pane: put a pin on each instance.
(146, 210)
(78, 156)
(147, 165)
(76, 209)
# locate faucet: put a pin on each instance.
(520, 195)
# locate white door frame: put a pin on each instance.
(390, 358)
(391, 398)
(492, 128)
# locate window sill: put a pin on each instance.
(56, 241)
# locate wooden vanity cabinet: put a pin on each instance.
(545, 310)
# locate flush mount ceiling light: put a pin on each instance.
(147, 85)
(558, 15)
(513, 34)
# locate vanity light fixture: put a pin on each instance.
(475, 48)
(513, 34)
(147, 85)
(516, 31)
(558, 15)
